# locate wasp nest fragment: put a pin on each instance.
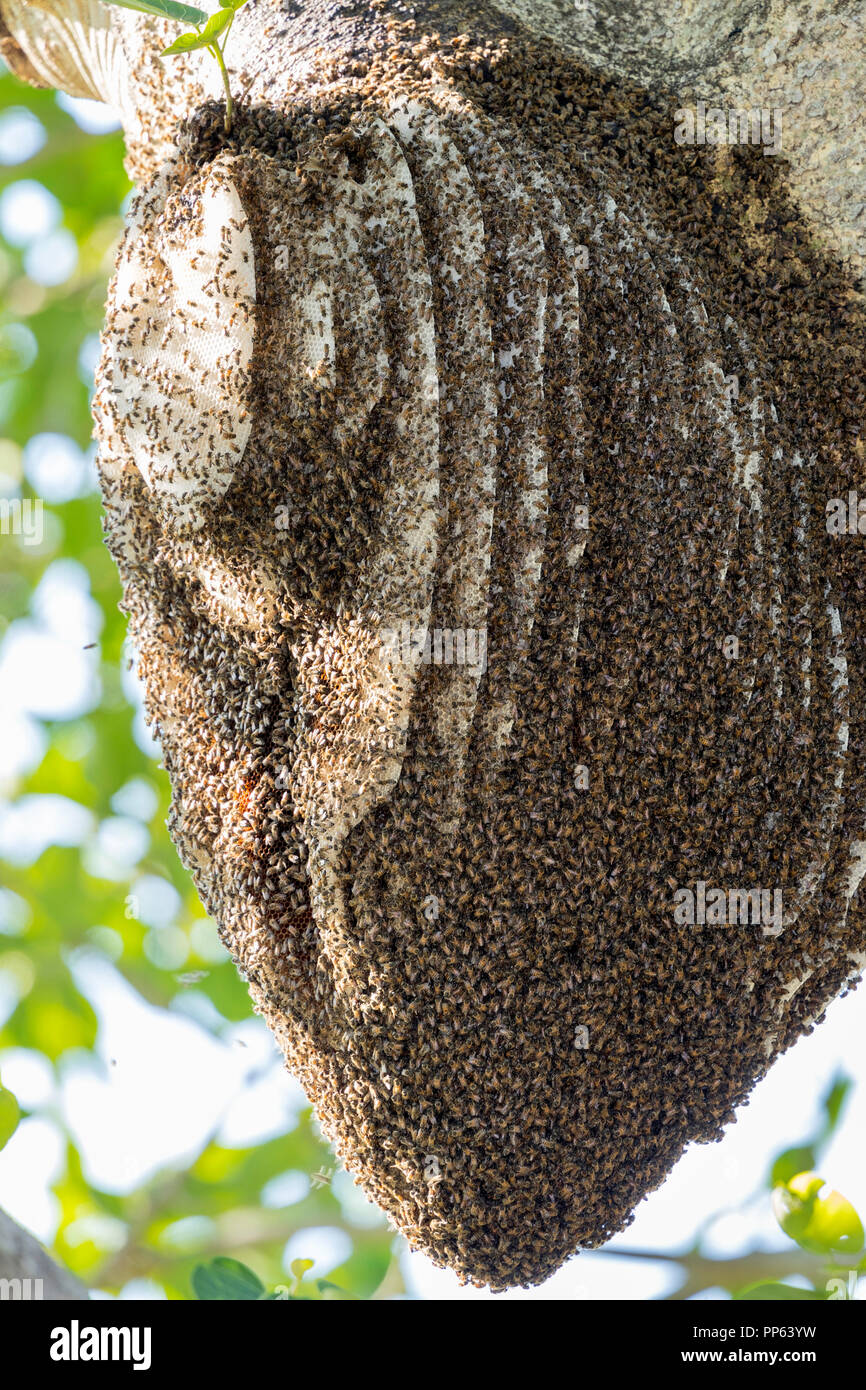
(465, 445)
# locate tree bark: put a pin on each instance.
(804, 58)
(22, 1258)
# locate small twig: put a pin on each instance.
(217, 52)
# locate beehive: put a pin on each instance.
(473, 346)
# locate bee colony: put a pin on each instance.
(455, 339)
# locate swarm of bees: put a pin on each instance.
(465, 297)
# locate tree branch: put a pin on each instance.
(22, 1257)
(752, 1267)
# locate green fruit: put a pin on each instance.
(10, 1114)
(817, 1217)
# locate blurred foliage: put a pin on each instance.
(225, 1279)
(10, 1114)
(200, 1228)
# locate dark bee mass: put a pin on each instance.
(523, 368)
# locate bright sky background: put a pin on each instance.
(160, 1082)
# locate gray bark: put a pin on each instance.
(23, 1258)
(803, 58)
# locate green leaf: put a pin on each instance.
(817, 1217)
(166, 9)
(234, 4)
(10, 1114)
(186, 43)
(834, 1101)
(790, 1162)
(777, 1293)
(333, 1292)
(224, 1278)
